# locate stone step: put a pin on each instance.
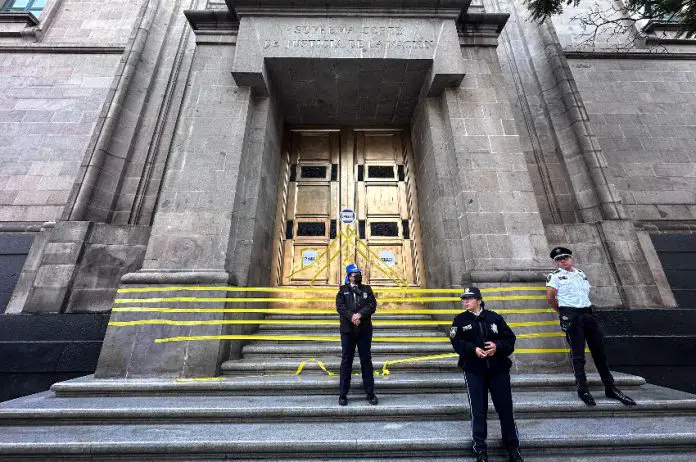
(380, 325)
(325, 331)
(334, 316)
(413, 438)
(45, 408)
(315, 384)
(274, 365)
(297, 349)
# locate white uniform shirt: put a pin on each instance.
(572, 286)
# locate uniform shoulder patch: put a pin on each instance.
(453, 332)
(548, 278)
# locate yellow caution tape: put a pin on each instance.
(329, 338)
(200, 379)
(385, 371)
(298, 322)
(318, 363)
(313, 310)
(311, 300)
(331, 290)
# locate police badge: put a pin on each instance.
(453, 332)
(494, 328)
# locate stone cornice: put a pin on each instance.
(481, 29)
(628, 55)
(64, 49)
(337, 8)
(211, 20)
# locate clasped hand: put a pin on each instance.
(489, 350)
(356, 319)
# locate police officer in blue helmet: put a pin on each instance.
(355, 303)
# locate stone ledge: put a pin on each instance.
(176, 277)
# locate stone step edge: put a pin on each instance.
(146, 415)
(316, 383)
(565, 445)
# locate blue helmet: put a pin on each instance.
(352, 268)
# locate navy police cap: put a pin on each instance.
(471, 292)
(559, 252)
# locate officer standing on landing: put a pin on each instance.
(567, 291)
(484, 343)
(355, 303)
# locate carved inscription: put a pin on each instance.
(346, 36)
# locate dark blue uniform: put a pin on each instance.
(492, 373)
(351, 300)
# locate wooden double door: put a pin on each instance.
(347, 196)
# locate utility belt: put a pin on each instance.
(572, 309)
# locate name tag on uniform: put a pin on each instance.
(346, 293)
(365, 295)
(467, 327)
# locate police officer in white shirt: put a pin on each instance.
(568, 291)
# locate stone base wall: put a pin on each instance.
(76, 267)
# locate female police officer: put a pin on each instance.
(484, 343)
(356, 304)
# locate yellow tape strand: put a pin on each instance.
(318, 363)
(310, 300)
(143, 309)
(328, 338)
(300, 322)
(201, 379)
(331, 290)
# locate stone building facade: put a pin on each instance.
(142, 146)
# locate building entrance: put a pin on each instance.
(347, 196)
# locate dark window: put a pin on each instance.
(334, 172)
(332, 230)
(311, 228)
(380, 171)
(361, 225)
(24, 6)
(313, 172)
(384, 228)
(361, 173)
(288, 230)
(407, 231)
(293, 172)
(402, 173)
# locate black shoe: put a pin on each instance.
(516, 457)
(342, 400)
(481, 457)
(372, 399)
(586, 397)
(615, 393)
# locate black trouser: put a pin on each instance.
(579, 324)
(363, 341)
(477, 389)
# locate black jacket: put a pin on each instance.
(469, 331)
(359, 299)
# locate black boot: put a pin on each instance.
(515, 456)
(614, 393)
(372, 399)
(586, 397)
(481, 457)
(342, 400)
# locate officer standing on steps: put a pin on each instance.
(484, 343)
(356, 304)
(568, 292)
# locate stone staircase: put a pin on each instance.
(261, 409)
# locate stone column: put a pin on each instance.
(190, 239)
(497, 209)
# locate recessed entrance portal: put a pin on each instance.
(364, 171)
